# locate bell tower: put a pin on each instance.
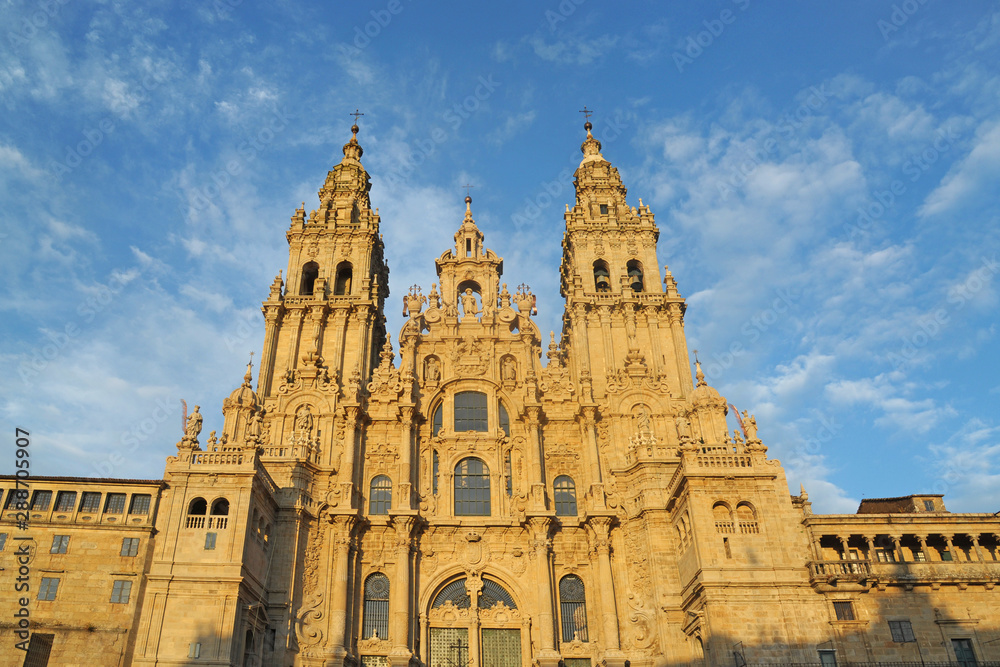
(623, 319)
(326, 318)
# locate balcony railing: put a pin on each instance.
(968, 663)
(840, 570)
(911, 571)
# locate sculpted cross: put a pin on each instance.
(468, 189)
(586, 112)
(356, 114)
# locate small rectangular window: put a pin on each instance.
(886, 555)
(919, 556)
(434, 483)
(115, 503)
(140, 504)
(194, 650)
(604, 209)
(48, 588)
(828, 658)
(13, 496)
(210, 540)
(929, 505)
(39, 649)
(901, 631)
(60, 544)
(91, 502)
(3, 540)
(121, 591)
(844, 610)
(130, 546)
(946, 555)
(41, 501)
(65, 501)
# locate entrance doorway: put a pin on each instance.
(474, 622)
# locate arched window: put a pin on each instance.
(434, 473)
(565, 495)
(310, 272)
(747, 518)
(723, 518)
(248, 650)
(573, 608)
(492, 593)
(472, 488)
(342, 285)
(198, 507)
(470, 411)
(437, 419)
(380, 498)
(376, 620)
(635, 275)
(504, 419)
(220, 507)
(602, 278)
(455, 593)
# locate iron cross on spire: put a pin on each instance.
(586, 112)
(468, 189)
(356, 115)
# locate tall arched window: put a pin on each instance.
(635, 275)
(564, 495)
(602, 278)
(220, 507)
(573, 608)
(747, 517)
(342, 285)
(438, 419)
(310, 272)
(198, 507)
(376, 619)
(380, 498)
(472, 488)
(504, 419)
(471, 413)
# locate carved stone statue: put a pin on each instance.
(644, 422)
(213, 443)
(253, 427)
(469, 306)
(304, 422)
(193, 427)
(432, 371)
(750, 426)
(508, 370)
(683, 429)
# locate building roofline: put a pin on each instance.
(90, 480)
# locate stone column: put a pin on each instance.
(950, 547)
(845, 550)
(399, 592)
(600, 527)
(540, 547)
(609, 350)
(653, 325)
(817, 545)
(680, 348)
(897, 549)
(582, 337)
(347, 472)
(923, 547)
(870, 542)
(975, 546)
(404, 495)
(343, 542)
(535, 458)
(590, 435)
(265, 374)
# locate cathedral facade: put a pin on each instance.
(473, 495)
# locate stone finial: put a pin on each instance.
(699, 375)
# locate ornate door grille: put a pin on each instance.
(501, 647)
(449, 647)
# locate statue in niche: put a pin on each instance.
(644, 422)
(213, 443)
(469, 306)
(432, 370)
(304, 422)
(683, 429)
(508, 370)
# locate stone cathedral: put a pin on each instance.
(469, 494)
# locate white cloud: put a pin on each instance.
(977, 173)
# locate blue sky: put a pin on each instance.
(824, 176)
